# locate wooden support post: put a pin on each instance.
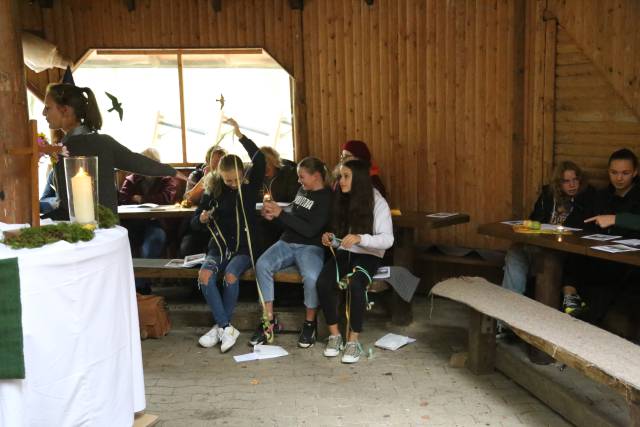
(298, 97)
(403, 256)
(15, 207)
(548, 292)
(35, 199)
(482, 343)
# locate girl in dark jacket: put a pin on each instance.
(566, 201)
(227, 212)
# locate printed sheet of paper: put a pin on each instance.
(628, 242)
(383, 273)
(393, 341)
(601, 237)
(442, 214)
(614, 249)
(262, 352)
(191, 260)
(175, 263)
(554, 227)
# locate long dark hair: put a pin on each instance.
(353, 211)
(81, 99)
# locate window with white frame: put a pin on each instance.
(170, 100)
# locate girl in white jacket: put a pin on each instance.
(361, 231)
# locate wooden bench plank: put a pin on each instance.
(598, 354)
(155, 269)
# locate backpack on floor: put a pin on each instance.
(153, 316)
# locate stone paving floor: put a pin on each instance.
(190, 386)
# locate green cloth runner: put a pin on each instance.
(11, 355)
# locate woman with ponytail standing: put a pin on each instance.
(74, 110)
(361, 231)
(227, 213)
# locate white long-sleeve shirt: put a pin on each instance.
(382, 237)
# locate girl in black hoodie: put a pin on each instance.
(226, 211)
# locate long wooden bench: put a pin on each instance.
(156, 269)
(596, 353)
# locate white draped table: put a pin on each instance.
(83, 361)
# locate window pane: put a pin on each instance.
(257, 95)
(147, 87)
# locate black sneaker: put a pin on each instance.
(260, 336)
(308, 334)
(573, 305)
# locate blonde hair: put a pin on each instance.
(213, 181)
(151, 153)
(272, 157)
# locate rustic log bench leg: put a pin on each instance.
(634, 414)
(548, 292)
(482, 343)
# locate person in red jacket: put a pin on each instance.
(355, 149)
(147, 236)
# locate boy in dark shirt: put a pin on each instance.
(604, 282)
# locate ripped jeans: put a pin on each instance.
(223, 304)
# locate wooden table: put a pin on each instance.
(406, 228)
(162, 211)
(549, 279)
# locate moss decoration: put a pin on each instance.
(40, 236)
(106, 217)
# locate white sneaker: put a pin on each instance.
(334, 345)
(211, 338)
(352, 352)
(228, 337)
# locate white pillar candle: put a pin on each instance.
(82, 197)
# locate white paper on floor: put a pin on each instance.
(262, 352)
(393, 341)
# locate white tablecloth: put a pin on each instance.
(83, 361)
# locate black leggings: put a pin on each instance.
(328, 288)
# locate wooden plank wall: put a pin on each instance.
(582, 85)
(592, 118)
(430, 86)
(607, 32)
(433, 86)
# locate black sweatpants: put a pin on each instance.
(328, 288)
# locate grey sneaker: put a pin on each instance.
(352, 352)
(334, 345)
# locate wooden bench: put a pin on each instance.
(156, 269)
(594, 352)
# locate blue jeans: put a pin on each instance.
(309, 260)
(222, 306)
(517, 266)
(153, 241)
(153, 244)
